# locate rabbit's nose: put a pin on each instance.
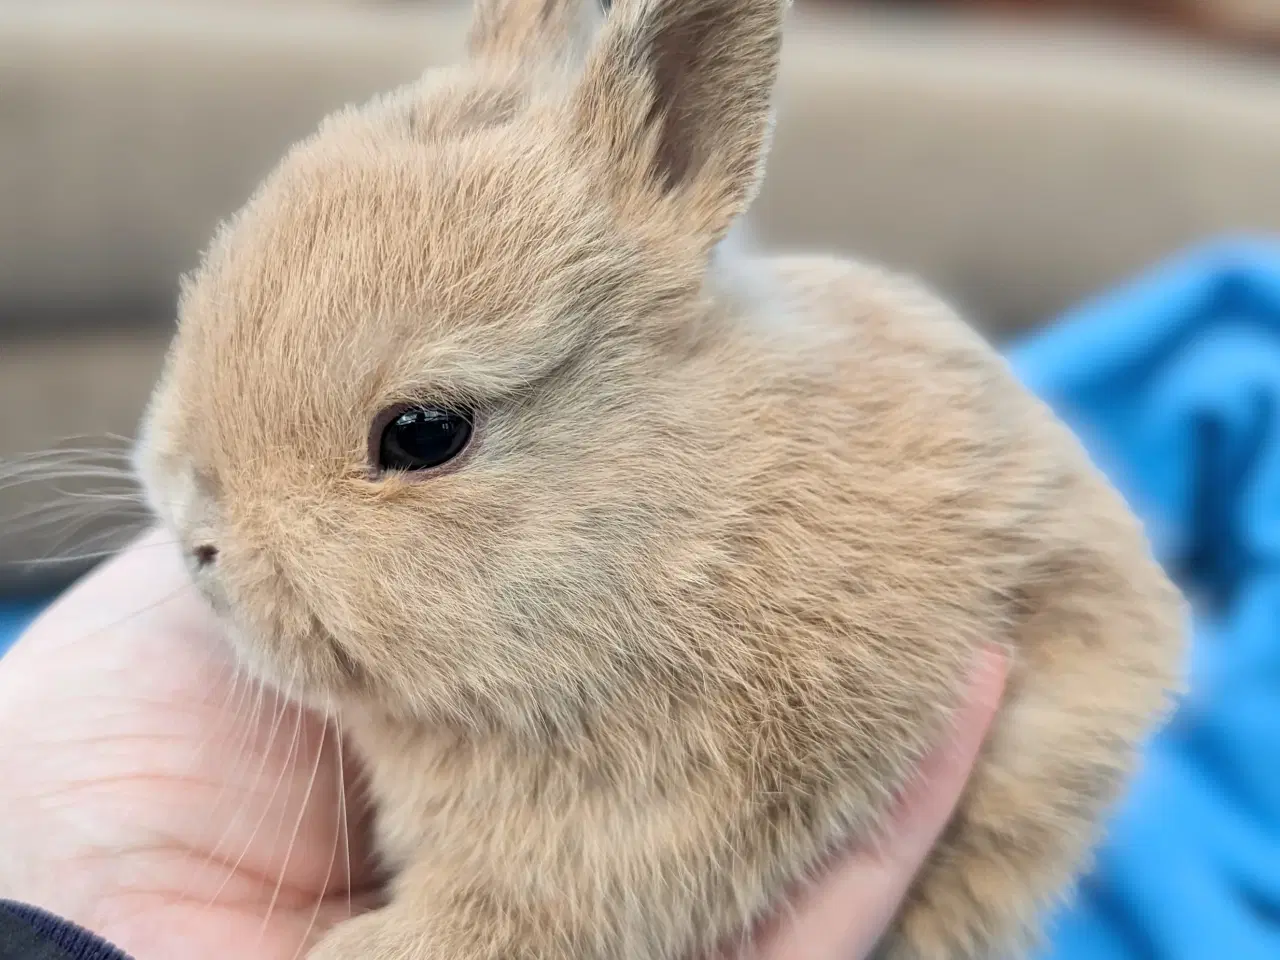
(205, 554)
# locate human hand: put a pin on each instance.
(154, 795)
(157, 797)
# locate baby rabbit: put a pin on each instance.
(641, 573)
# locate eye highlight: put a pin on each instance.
(417, 438)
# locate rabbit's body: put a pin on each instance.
(690, 807)
(707, 581)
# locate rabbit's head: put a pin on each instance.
(449, 422)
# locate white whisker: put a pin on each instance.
(281, 708)
(297, 827)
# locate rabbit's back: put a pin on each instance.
(1024, 538)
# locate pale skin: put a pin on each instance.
(156, 796)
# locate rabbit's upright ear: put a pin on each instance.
(678, 94)
(529, 31)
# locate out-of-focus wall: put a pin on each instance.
(1019, 165)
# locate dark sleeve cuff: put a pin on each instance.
(29, 933)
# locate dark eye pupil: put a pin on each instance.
(422, 438)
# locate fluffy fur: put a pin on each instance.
(708, 582)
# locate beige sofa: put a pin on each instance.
(1019, 169)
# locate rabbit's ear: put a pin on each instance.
(527, 31)
(678, 93)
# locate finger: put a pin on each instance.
(240, 782)
(844, 916)
(145, 581)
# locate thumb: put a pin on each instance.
(843, 916)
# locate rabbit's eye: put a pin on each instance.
(420, 438)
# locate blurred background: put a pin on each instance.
(1021, 155)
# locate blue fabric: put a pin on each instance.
(14, 617)
(1174, 384)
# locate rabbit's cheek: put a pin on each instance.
(272, 634)
(301, 663)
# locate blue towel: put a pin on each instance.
(14, 617)
(1173, 382)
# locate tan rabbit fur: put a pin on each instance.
(710, 577)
